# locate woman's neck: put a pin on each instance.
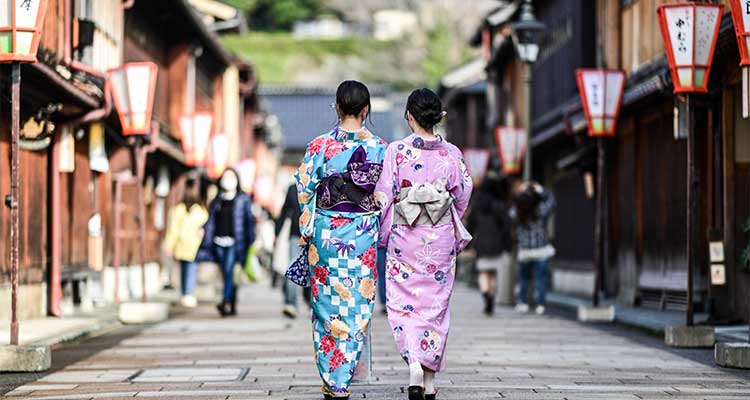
(426, 134)
(351, 124)
(229, 195)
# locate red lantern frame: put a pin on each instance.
(126, 116)
(593, 132)
(511, 168)
(742, 31)
(36, 32)
(673, 67)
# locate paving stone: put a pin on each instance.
(259, 355)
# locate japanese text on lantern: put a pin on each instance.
(681, 35)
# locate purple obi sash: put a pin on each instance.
(351, 191)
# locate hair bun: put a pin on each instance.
(426, 108)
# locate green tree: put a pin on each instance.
(437, 62)
(274, 15)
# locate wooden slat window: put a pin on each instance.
(107, 15)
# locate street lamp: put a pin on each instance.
(526, 32)
(219, 155)
(246, 169)
(133, 88)
(689, 31)
(741, 17)
(195, 132)
(20, 30)
(512, 144)
(601, 96)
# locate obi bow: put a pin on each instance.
(423, 204)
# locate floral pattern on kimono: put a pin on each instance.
(342, 253)
(421, 259)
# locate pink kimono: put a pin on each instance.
(423, 189)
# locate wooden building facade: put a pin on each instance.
(73, 153)
(645, 179)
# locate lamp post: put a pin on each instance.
(195, 133)
(601, 96)
(133, 88)
(526, 33)
(512, 146)
(689, 31)
(20, 30)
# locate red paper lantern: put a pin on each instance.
(219, 155)
(20, 29)
(195, 132)
(601, 95)
(477, 161)
(246, 169)
(689, 31)
(511, 147)
(133, 86)
(741, 17)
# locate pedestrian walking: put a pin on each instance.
(183, 239)
(288, 221)
(229, 232)
(424, 190)
(533, 205)
(340, 223)
(491, 226)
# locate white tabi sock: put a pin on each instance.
(429, 382)
(416, 375)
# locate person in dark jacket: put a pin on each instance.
(229, 232)
(290, 210)
(491, 227)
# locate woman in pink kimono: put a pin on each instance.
(423, 191)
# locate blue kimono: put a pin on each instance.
(340, 224)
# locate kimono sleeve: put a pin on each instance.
(308, 175)
(460, 185)
(386, 191)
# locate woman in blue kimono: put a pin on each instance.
(339, 224)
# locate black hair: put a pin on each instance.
(352, 97)
(192, 193)
(236, 174)
(426, 108)
(527, 204)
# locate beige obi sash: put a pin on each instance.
(423, 204)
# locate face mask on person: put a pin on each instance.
(229, 182)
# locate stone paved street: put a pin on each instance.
(259, 355)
